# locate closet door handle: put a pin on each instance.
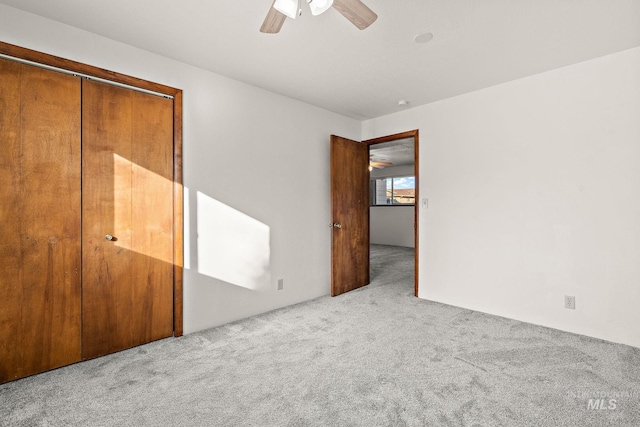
(109, 237)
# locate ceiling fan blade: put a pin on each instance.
(273, 22)
(356, 12)
(379, 165)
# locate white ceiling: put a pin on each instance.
(326, 61)
(399, 152)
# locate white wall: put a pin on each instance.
(238, 153)
(392, 225)
(534, 193)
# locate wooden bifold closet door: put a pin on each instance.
(39, 220)
(86, 219)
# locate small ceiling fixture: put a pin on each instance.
(354, 10)
(423, 38)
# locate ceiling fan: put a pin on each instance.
(377, 164)
(354, 10)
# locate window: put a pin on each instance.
(393, 191)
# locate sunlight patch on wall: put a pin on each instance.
(232, 246)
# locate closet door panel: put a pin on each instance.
(10, 225)
(127, 188)
(51, 219)
(152, 207)
(41, 222)
(106, 210)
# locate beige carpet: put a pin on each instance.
(374, 357)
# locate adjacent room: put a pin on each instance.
(489, 168)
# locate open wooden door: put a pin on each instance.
(349, 215)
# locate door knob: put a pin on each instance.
(109, 237)
(335, 225)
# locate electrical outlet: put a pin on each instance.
(570, 302)
(280, 284)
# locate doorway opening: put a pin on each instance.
(394, 178)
